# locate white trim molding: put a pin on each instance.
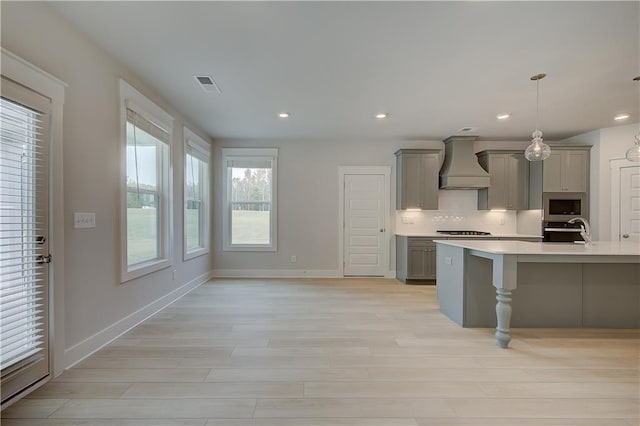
(90, 345)
(616, 165)
(133, 99)
(276, 273)
(365, 170)
(289, 273)
(249, 154)
(27, 74)
(200, 149)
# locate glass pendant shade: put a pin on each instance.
(537, 150)
(633, 153)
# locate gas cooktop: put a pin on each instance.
(462, 232)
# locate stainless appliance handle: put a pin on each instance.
(562, 230)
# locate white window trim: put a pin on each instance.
(133, 99)
(246, 153)
(203, 151)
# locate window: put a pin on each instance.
(146, 208)
(250, 199)
(196, 195)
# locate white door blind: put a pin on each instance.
(23, 236)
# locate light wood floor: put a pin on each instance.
(338, 352)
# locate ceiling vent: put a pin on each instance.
(468, 130)
(207, 83)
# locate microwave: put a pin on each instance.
(562, 206)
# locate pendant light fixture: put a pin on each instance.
(538, 150)
(633, 153)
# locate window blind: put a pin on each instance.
(249, 163)
(199, 151)
(23, 245)
(147, 126)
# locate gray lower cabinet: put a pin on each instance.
(421, 264)
(416, 256)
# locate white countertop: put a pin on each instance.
(465, 237)
(597, 248)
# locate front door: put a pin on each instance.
(24, 239)
(364, 225)
(630, 203)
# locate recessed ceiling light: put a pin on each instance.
(283, 115)
(621, 117)
(382, 115)
(503, 116)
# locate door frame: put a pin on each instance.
(616, 165)
(27, 74)
(364, 170)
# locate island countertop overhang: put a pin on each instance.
(598, 248)
(553, 284)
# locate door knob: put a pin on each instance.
(625, 235)
(43, 259)
(381, 229)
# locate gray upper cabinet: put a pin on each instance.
(566, 169)
(417, 179)
(509, 172)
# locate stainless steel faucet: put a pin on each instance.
(585, 228)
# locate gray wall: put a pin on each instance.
(94, 296)
(308, 225)
(307, 200)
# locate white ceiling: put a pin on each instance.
(435, 67)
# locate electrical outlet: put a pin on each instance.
(84, 220)
(173, 274)
(406, 219)
(294, 259)
(501, 220)
(447, 260)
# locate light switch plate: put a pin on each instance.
(84, 220)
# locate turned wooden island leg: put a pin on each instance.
(503, 314)
(504, 280)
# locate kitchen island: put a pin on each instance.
(558, 284)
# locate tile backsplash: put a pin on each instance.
(457, 209)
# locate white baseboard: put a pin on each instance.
(276, 273)
(283, 273)
(87, 347)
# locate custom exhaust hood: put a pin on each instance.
(461, 169)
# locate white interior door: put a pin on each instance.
(630, 203)
(364, 225)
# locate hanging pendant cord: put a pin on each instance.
(538, 104)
